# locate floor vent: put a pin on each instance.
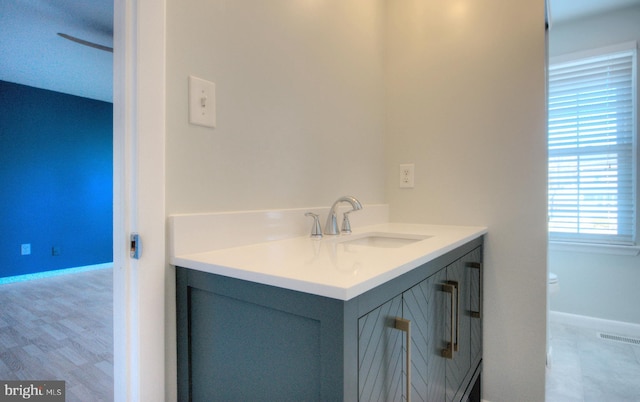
(618, 338)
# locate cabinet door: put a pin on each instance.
(380, 354)
(473, 264)
(458, 365)
(245, 352)
(465, 275)
(424, 308)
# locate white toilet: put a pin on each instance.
(554, 285)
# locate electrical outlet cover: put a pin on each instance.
(407, 175)
(25, 249)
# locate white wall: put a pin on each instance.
(299, 103)
(317, 99)
(596, 284)
(466, 104)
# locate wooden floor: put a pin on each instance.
(60, 328)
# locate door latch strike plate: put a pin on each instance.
(134, 250)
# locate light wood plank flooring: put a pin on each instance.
(60, 328)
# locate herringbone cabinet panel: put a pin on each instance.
(458, 367)
(380, 354)
(423, 306)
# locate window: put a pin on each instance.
(592, 154)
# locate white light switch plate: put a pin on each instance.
(202, 102)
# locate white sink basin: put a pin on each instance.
(383, 240)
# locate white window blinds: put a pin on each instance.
(591, 149)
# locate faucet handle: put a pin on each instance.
(316, 229)
(346, 225)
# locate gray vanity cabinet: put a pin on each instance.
(240, 340)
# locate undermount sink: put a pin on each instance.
(383, 240)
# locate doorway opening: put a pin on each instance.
(586, 251)
(57, 170)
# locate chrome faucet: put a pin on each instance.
(331, 228)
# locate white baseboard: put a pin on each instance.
(47, 274)
(599, 324)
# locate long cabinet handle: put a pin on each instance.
(456, 285)
(451, 288)
(478, 266)
(405, 326)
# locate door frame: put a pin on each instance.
(139, 199)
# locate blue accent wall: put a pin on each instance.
(56, 180)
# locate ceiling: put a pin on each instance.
(565, 10)
(31, 52)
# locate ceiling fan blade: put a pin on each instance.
(86, 43)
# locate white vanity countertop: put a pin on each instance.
(329, 267)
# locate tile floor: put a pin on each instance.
(60, 328)
(587, 368)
